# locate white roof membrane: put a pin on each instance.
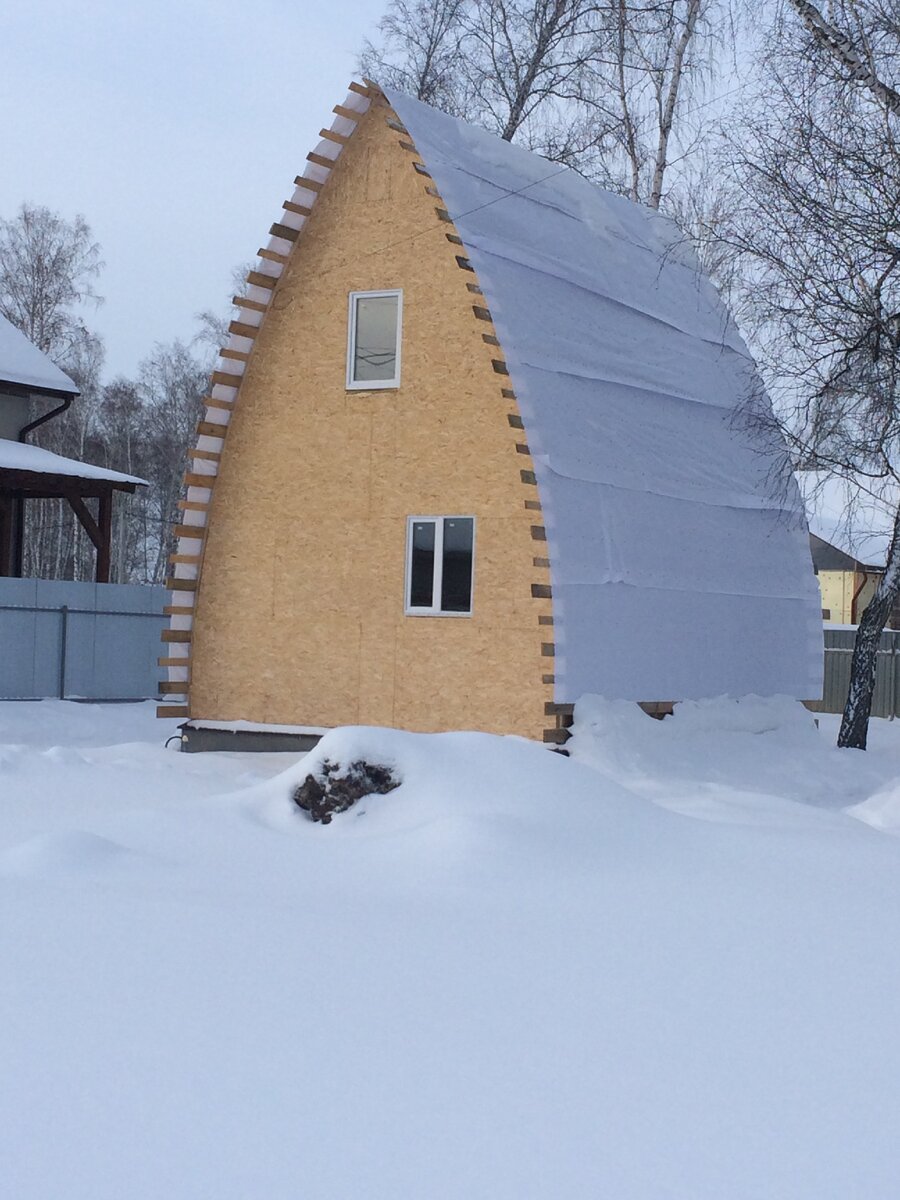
(680, 562)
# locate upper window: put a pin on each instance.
(439, 566)
(373, 344)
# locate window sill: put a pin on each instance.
(428, 612)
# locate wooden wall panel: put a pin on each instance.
(300, 608)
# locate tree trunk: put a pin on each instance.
(855, 722)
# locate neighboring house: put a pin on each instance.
(474, 449)
(28, 380)
(849, 533)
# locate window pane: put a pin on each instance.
(421, 581)
(456, 585)
(375, 346)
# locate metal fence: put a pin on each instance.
(838, 652)
(86, 641)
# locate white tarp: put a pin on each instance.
(19, 456)
(22, 363)
(680, 566)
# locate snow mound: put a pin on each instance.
(73, 853)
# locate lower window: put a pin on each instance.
(439, 558)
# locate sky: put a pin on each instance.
(176, 128)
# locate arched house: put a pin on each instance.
(472, 452)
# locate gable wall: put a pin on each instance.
(299, 613)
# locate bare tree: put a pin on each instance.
(817, 166)
(47, 270)
(420, 52)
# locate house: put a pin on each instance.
(849, 531)
(29, 380)
(474, 449)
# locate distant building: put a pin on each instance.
(471, 452)
(29, 379)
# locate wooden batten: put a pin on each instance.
(320, 160)
(246, 302)
(474, 288)
(225, 379)
(211, 429)
(443, 215)
(349, 114)
(190, 531)
(192, 479)
(193, 505)
(234, 355)
(258, 279)
(482, 313)
(545, 619)
(174, 662)
(178, 610)
(170, 711)
(179, 585)
(548, 649)
(463, 263)
(499, 366)
(284, 231)
(538, 533)
(490, 339)
(212, 456)
(522, 448)
(368, 89)
(242, 329)
(404, 145)
(508, 394)
(272, 256)
(515, 421)
(176, 635)
(542, 591)
(421, 169)
(190, 560)
(542, 563)
(528, 477)
(533, 505)
(311, 185)
(393, 123)
(213, 402)
(330, 136)
(556, 737)
(302, 210)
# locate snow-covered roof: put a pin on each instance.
(849, 517)
(19, 456)
(680, 568)
(23, 364)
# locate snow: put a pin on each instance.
(849, 516)
(22, 363)
(20, 456)
(679, 559)
(664, 969)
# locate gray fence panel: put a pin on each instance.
(838, 653)
(81, 640)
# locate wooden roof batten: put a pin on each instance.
(226, 379)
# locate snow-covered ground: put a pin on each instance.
(665, 969)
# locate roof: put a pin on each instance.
(21, 457)
(849, 518)
(680, 561)
(22, 364)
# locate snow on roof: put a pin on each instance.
(679, 568)
(845, 516)
(19, 456)
(23, 364)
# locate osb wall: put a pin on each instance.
(300, 612)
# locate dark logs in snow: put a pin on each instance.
(335, 788)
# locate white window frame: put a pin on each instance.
(372, 385)
(435, 610)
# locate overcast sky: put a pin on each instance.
(176, 128)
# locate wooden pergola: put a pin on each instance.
(39, 475)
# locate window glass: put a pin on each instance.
(456, 580)
(421, 583)
(375, 338)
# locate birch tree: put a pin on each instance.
(817, 166)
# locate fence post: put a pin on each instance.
(63, 640)
(893, 637)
